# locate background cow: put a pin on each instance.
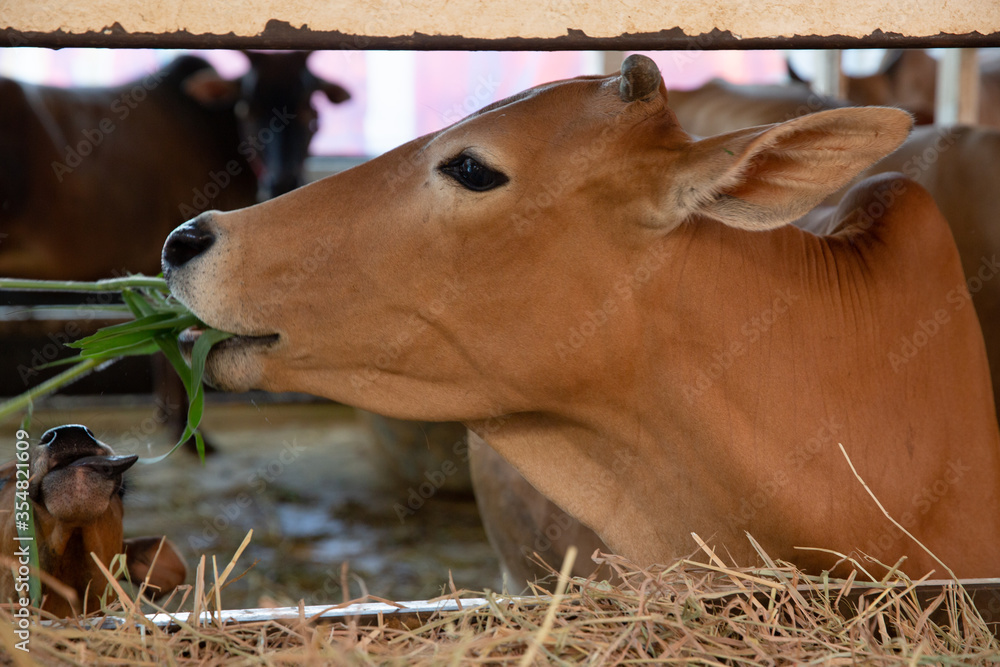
(93, 179)
(685, 248)
(907, 78)
(720, 106)
(75, 492)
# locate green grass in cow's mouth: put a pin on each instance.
(160, 324)
(187, 339)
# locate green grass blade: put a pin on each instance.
(168, 345)
(26, 420)
(109, 343)
(59, 362)
(136, 329)
(144, 347)
(196, 401)
(159, 320)
(79, 308)
(26, 533)
(20, 402)
(199, 354)
(108, 285)
(139, 306)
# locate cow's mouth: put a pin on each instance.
(104, 464)
(189, 336)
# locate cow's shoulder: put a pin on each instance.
(895, 225)
(888, 206)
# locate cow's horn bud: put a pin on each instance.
(640, 78)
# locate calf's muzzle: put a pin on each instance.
(74, 445)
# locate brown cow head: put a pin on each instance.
(76, 488)
(439, 280)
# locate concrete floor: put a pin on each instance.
(306, 479)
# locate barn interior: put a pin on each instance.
(336, 497)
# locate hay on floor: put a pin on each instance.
(686, 613)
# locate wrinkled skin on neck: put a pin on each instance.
(731, 417)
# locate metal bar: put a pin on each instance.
(319, 612)
(280, 35)
(985, 593)
(367, 610)
(828, 80)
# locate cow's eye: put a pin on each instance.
(473, 174)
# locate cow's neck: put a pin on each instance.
(666, 421)
(736, 401)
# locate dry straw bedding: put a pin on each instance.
(690, 613)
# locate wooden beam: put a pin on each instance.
(502, 24)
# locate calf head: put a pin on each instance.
(75, 477)
(76, 488)
(439, 280)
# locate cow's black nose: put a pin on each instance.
(187, 242)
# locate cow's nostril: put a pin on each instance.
(187, 242)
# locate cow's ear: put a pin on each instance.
(211, 90)
(334, 93)
(764, 177)
(156, 558)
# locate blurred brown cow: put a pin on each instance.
(720, 106)
(73, 484)
(907, 78)
(93, 179)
